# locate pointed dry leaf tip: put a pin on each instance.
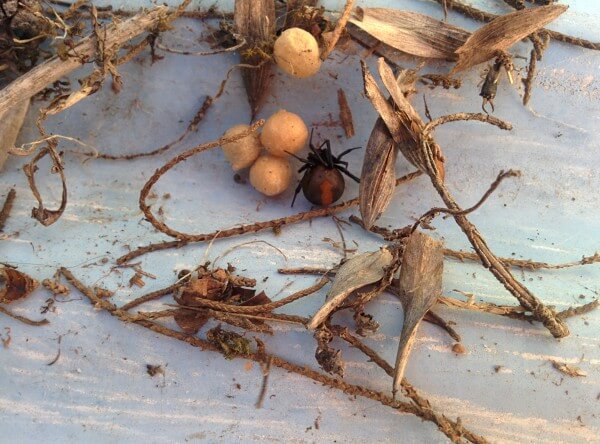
(410, 32)
(360, 270)
(503, 32)
(420, 285)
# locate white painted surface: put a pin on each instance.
(99, 391)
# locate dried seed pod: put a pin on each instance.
(243, 152)
(284, 133)
(271, 175)
(296, 52)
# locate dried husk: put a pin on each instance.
(503, 32)
(411, 32)
(419, 286)
(378, 176)
(15, 285)
(255, 22)
(359, 271)
(403, 121)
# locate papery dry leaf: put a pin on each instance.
(255, 22)
(16, 285)
(503, 32)
(568, 369)
(419, 286)
(410, 32)
(358, 271)
(190, 322)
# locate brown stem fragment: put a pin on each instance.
(7, 207)
(339, 28)
(345, 114)
(419, 286)
(420, 407)
(255, 227)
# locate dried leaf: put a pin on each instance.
(410, 32)
(17, 285)
(329, 359)
(189, 321)
(255, 21)
(503, 32)
(419, 286)
(360, 270)
(259, 299)
(568, 369)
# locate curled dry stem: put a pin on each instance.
(255, 227)
(161, 226)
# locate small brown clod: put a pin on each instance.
(459, 349)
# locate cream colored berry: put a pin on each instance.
(243, 152)
(271, 175)
(284, 133)
(297, 53)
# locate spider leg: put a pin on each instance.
(304, 167)
(343, 153)
(296, 192)
(330, 156)
(349, 174)
(299, 158)
(317, 154)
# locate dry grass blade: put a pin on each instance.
(255, 22)
(419, 286)
(503, 32)
(410, 32)
(359, 271)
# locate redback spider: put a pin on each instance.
(323, 183)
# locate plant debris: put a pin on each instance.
(568, 369)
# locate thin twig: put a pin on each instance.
(453, 429)
(151, 296)
(255, 227)
(22, 318)
(266, 368)
(339, 28)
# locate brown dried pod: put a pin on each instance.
(255, 22)
(378, 176)
(411, 32)
(419, 286)
(16, 285)
(503, 32)
(11, 121)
